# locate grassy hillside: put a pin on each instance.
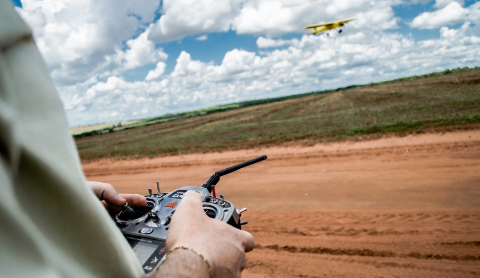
(436, 99)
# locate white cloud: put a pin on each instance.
(443, 3)
(186, 67)
(450, 13)
(73, 36)
(419, 1)
(142, 52)
(453, 13)
(202, 38)
(139, 52)
(267, 42)
(182, 18)
(274, 18)
(157, 72)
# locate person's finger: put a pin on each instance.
(114, 210)
(112, 198)
(191, 203)
(135, 200)
(193, 197)
(106, 192)
(104, 204)
(249, 241)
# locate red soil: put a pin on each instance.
(396, 207)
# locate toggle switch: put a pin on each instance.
(240, 211)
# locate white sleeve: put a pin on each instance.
(51, 224)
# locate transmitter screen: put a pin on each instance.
(148, 251)
(144, 250)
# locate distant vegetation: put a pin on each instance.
(227, 107)
(442, 98)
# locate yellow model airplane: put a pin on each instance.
(328, 26)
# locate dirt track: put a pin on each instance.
(396, 207)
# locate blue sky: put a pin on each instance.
(149, 58)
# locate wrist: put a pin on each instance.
(185, 262)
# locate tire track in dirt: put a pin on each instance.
(367, 253)
(287, 264)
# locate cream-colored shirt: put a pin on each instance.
(51, 224)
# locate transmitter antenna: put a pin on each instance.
(215, 178)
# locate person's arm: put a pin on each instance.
(222, 245)
(113, 201)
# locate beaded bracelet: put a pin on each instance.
(194, 251)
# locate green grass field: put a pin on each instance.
(437, 99)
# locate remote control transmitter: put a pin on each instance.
(146, 228)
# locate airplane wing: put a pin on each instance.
(318, 25)
(329, 23)
(346, 20)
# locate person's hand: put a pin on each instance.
(113, 201)
(221, 244)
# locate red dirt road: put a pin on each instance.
(395, 207)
